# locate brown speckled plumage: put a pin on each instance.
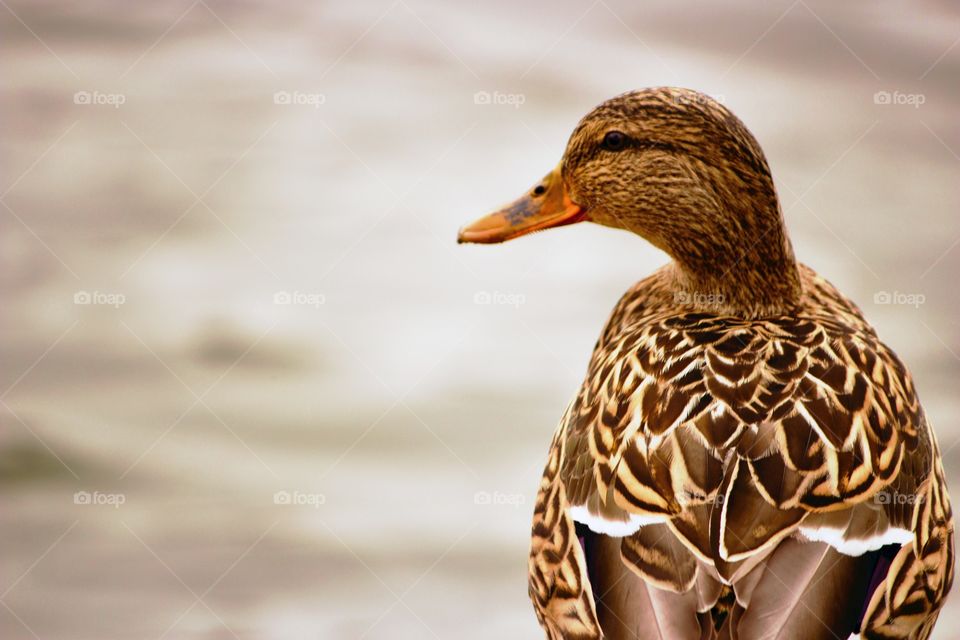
(745, 458)
(696, 184)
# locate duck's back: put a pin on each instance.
(742, 478)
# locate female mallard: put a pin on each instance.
(745, 459)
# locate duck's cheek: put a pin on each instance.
(616, 217)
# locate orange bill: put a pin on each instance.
(545, 206)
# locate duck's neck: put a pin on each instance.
(744, 268)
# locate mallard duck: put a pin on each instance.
(745, 458)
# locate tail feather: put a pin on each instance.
(805, 590)
(800, 589)
(629, 607)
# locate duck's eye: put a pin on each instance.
(614, 141)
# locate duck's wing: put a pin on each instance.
(736, 435)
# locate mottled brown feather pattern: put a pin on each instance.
(732, 397)
(695, 183)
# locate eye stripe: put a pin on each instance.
(618, 141)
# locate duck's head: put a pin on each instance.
(679, 169)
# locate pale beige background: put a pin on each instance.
(399, 398)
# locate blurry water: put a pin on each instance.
(229, 271)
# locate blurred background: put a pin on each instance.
(251, 387)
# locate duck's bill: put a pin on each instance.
(545, 206)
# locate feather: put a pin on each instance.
(741, 463)
(745, 523)
(855, 531)
(656, 555)
(630, 607)
(806, 590)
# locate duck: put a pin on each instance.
(745, 457)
